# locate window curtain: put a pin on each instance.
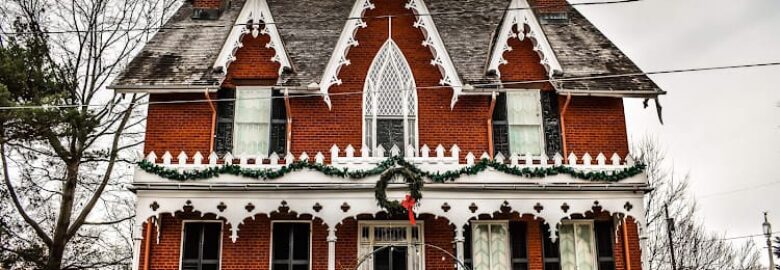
(577, 246)
(525, 125)
(252, 121)
(490, 247)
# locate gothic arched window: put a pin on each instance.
(390, 101)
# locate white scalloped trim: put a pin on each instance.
(441, 57)
(520, 15)
(254, 10)
(346, 41)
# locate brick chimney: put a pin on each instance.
(208, 9)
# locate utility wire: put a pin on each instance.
(148, 29)
(421, 87)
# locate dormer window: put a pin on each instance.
(255, 124)
(517, 123)
(390, 101)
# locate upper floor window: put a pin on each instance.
(390, 101)
(517, 123)
(201, 245)
(255, 124)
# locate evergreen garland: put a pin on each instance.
(437, 177)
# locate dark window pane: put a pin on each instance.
(278, 141)
(211, 233)
(280, 266)
(398, 258)
(499, 111)
(223, 137)
(552, 266)
(550, 247)
(518, 240)
(381, 258)
(301, 267)
(209, 267)
(301, 241)
(281, 244)
(520, 266)
(606, 266)
(604, 238)
(467, 243)
(192, 233)
(390, 132)
(500, 128)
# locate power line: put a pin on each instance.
(660, 72)
(739, 190)
(148, 29)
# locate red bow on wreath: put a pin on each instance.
(409, 203)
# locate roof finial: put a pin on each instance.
(389, 27)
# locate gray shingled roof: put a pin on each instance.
(184, 55)
(584, 51)
(310, 30)
(468, 39)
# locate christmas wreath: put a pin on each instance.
(395, 207)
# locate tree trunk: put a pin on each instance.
(60, 239)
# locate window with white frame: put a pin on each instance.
(252, 121)
(291, 245)
(577, 244)
(496, 245)
(390, 101)
(201, 245)
(524, 117)
(391, 245)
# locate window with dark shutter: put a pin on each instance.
(201, 246)
(551, 256)
(278, 143)
(500, 127)
(604, 246)
(223, 137)
(264, 135)
(519, 245)
(551, 120)
(290, 250)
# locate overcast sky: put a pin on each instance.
(721, 127)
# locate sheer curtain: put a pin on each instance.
(490, 247)
(525, 122)
(252, 121)
(577, 246)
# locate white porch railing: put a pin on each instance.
(423, 155)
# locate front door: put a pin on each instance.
(391, 245)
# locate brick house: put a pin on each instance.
(277, 128)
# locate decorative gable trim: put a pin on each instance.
(255, 11)
(346, 41)
(433, 41)
(519, 14)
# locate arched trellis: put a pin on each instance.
(333, 207)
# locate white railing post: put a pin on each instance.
(425, 152)
(319, 158)
(470, 159)
(615, 159)
(182, 158)
(558, 159)
(197, 159)
(601, 160)
(572, 159)
(455, 151)
(334, 153)
(586, 159)
(151, 157)
(350, 151)
(213, 159)
(227, 159)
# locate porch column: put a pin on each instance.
(136, 253)
(331, 248)
(459, 239)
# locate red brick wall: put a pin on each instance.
(595, 124)
(315, 129)
(253, 62)
(178, 127)
(592, 124)
(250, 251)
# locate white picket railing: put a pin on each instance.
(348, 157)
